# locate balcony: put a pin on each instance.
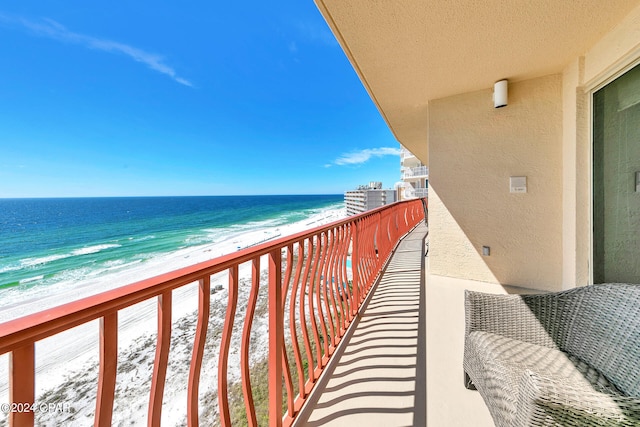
(379, 376)
(417, 172)
(421, 192)
(406, 154)
(413, 193)
(352, 281)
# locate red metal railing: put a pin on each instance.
(311, 302)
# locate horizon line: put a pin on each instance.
(158, 196)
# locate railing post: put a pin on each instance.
(204, 299)
(162, 356)
(276, 337)
(22, 384)
(108, 369)
(225, 345)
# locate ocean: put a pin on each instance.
(50, 244)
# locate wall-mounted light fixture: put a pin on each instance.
(500, 90)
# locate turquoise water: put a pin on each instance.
(46, 241)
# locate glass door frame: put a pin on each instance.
(605, 78)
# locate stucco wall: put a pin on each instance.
(614, 51)
(576, 175)
(474, 149)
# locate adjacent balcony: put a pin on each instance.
(415, 193)
(340, 311)
(406, 154)
(417, 172)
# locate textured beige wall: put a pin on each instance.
(576, 174)
(570, 80)
(474, 149)
(614, 51)
(582, 183)
(460, 225)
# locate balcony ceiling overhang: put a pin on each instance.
(408, 52)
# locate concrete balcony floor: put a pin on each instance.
(377, 377)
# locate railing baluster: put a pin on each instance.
(383, 235)
(341, 294)
(335, 284)
(338, 287)
(204, 298)
(396, 230)
(320, 285)
(246, 340)
(404, 221)
(327, 291)
(348, 228)
(313, 279)
(292, 322)
(355, 266)
(287, 274)
(22, 383)
(344, 281)
(285, 358)
(366, 244)
(225, 344)
(344, 278)
(108, 369)
(163, 344)
(389, 235)
(276, 337)
(303, 319)
(386, 237)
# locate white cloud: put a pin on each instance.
(56, 31)
(363, 156)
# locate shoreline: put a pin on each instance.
(61, 293)
(66, 355)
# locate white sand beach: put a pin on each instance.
(66, 364)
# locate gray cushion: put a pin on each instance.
(499, 363)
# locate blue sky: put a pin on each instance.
(182, 98)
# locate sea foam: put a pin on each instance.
(94, 249)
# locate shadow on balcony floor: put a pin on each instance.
(379, 377)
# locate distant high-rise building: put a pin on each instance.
(369, 197)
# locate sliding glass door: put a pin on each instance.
(616, 180)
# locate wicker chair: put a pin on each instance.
(569, 358)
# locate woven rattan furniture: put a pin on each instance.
(569, 358)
